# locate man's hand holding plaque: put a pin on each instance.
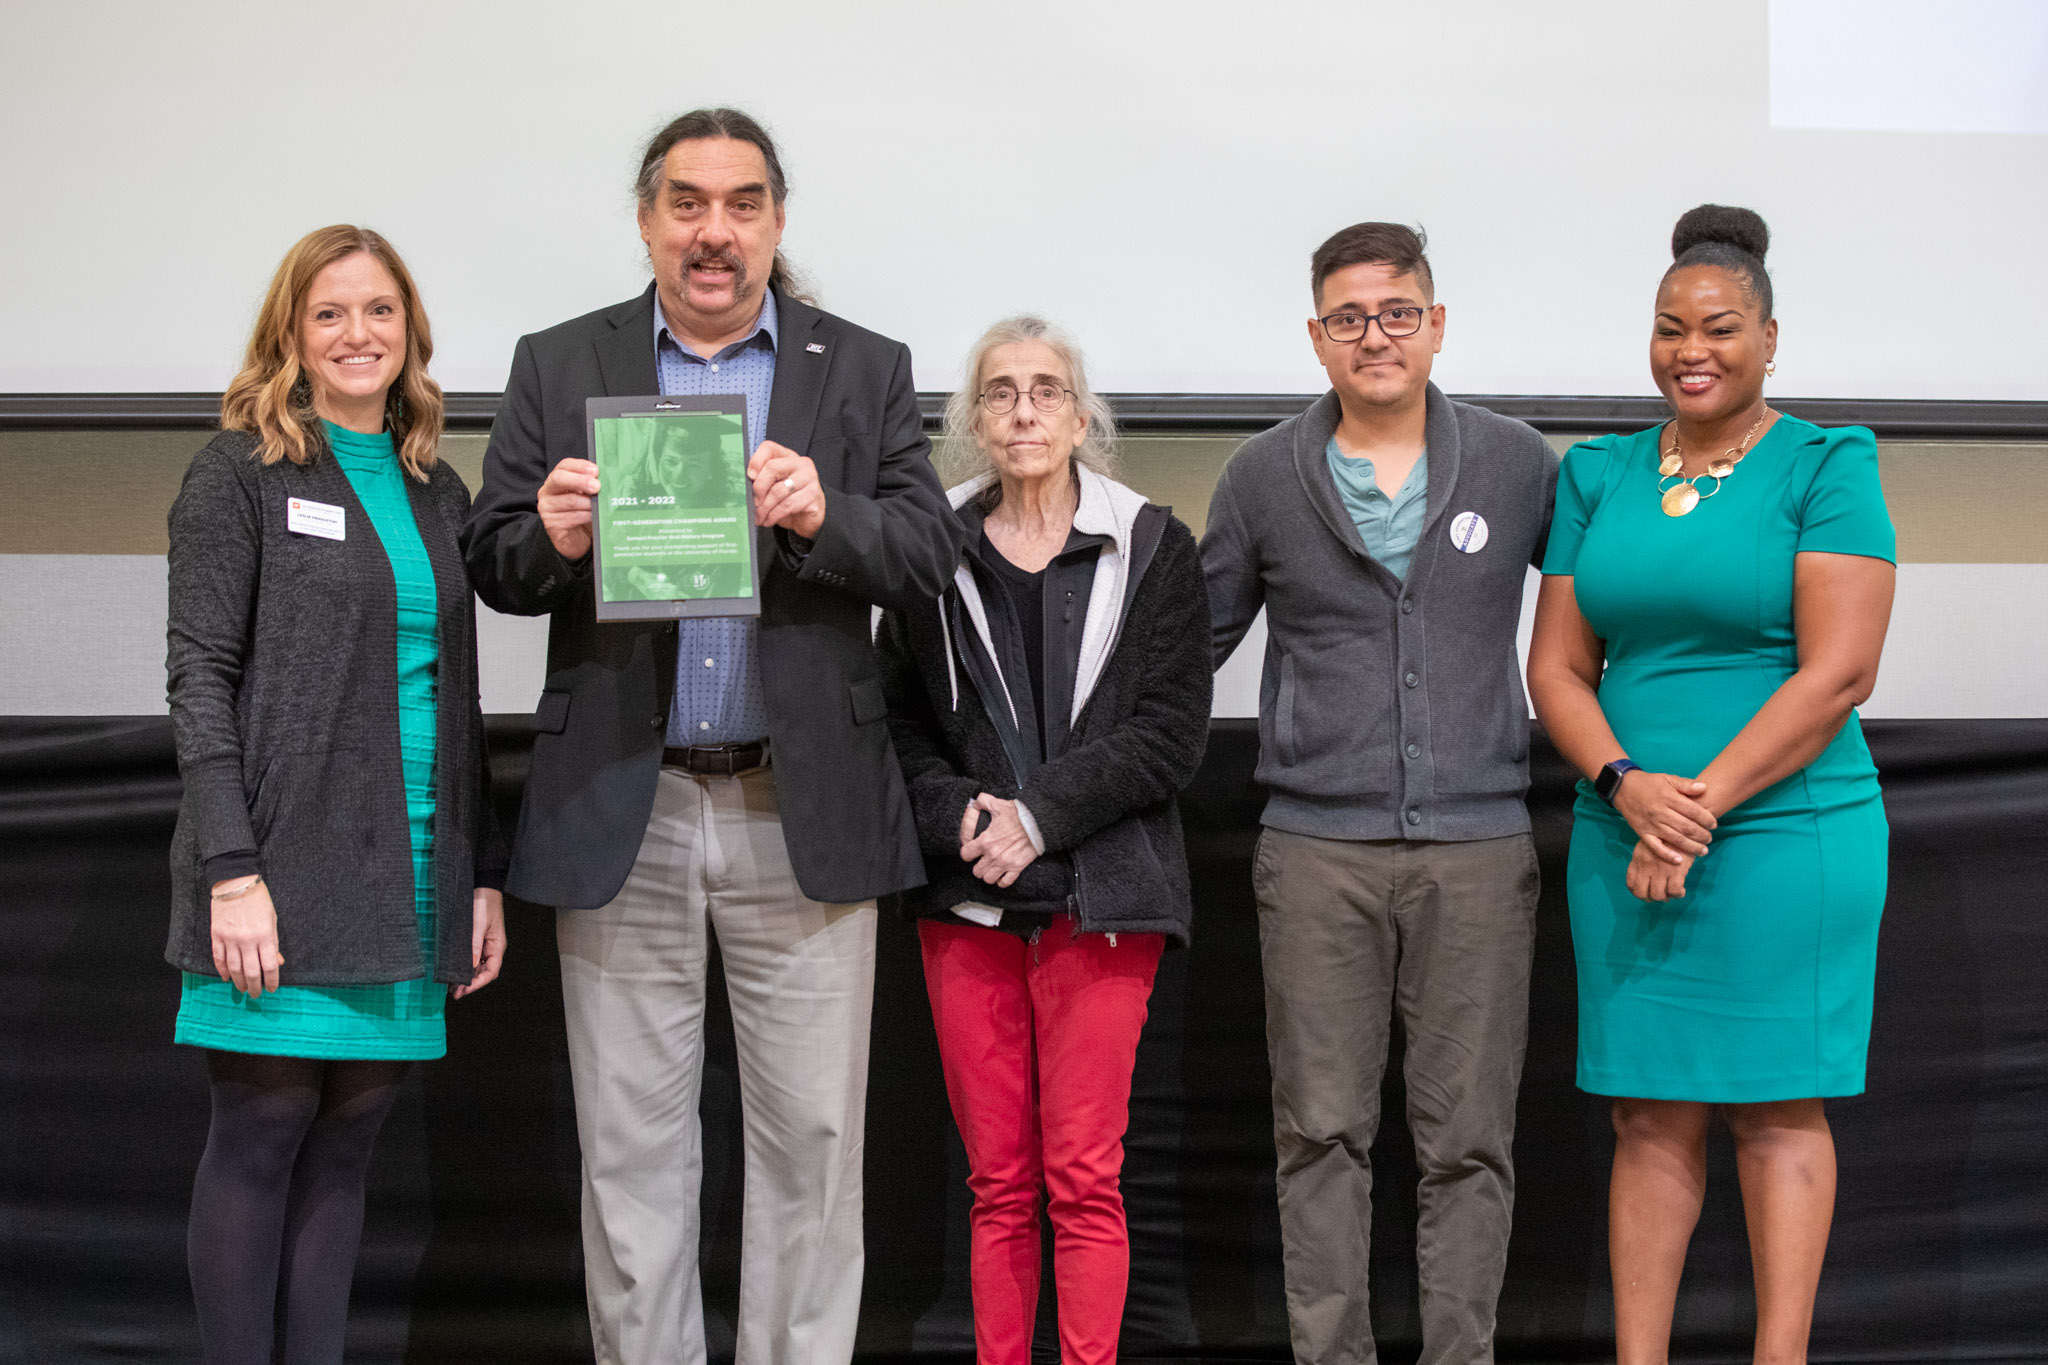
(564, 505)
(787, 490)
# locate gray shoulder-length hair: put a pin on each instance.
(961, 455)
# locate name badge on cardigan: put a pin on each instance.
(321, 519)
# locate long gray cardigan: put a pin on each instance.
(283, 659)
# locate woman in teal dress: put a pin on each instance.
(1714, 603)
(335, 863)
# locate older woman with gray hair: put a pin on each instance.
(1046, 710)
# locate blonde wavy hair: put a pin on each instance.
(961, 454)
(271, 397)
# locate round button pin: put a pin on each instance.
(1469, 532)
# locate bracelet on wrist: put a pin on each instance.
(244, 889)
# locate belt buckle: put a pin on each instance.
(723, 760)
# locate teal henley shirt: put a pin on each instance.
(1390, 527)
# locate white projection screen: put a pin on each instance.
(1152, 175)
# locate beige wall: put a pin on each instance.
(106, 492)
(82, 539)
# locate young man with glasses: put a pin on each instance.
(1387, 532)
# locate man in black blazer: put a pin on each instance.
(759, 801)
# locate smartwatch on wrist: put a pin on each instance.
(1609, 781)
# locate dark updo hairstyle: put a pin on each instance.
(1731, 238)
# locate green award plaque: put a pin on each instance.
(672, 525)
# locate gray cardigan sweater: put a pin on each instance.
(283, 658)
(1387, 710)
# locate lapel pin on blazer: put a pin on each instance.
(815, 347)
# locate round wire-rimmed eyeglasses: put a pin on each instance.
(1002, 398)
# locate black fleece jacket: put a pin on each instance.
(1105, 801)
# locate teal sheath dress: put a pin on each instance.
(1757, 984)
(402, 1020)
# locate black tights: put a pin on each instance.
(277, 1208)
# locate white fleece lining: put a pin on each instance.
(1025, 818)
(970, 598)
(1107, 508)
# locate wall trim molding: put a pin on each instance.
(1166, 414)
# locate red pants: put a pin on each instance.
(1037, 1041)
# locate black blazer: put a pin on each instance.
(843, 396)
(283, 653)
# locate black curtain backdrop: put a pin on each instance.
(1940, 1249)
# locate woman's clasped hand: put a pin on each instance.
(1672, 826)
(993, 838)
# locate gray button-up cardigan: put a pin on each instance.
(1388, 708)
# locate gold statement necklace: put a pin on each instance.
(1683, 495)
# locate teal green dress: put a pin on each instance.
(1757, 984)
(402, 1020)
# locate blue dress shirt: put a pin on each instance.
(718, 670)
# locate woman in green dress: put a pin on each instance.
(335, 861)
(1714, 602)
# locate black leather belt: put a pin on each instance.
(717, 760)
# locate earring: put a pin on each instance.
(394, 404)
(302, 393)
(1770, 368)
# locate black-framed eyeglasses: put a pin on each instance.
(1001, 397)
(1349, 325)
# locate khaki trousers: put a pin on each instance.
(801, 977)
(1350, 934)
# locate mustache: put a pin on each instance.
(718, 258)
